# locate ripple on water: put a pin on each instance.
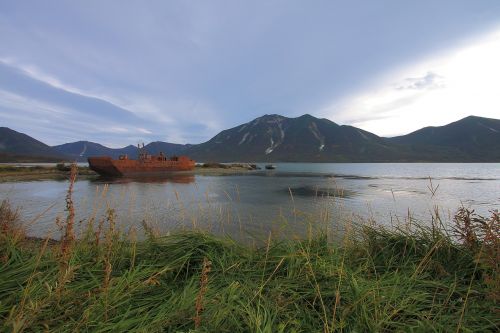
(313, 191)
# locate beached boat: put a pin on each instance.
(145, 165)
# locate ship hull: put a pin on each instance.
(106, 166)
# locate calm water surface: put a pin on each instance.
(288, 198)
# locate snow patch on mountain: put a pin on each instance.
(491, 129)
(270, 149)
(363, 135)
(282, 132)
(243, 138)
(84, 149)
(315, 131)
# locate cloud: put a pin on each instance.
(38, 106)
(143, 130)
(185, 71)
(131, 104)
(436, 91)
(17, 110)
(428, 81)
(38, 89)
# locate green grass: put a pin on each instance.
(369, 280)
(12, 173)
(12, 168)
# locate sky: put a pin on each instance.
(123, 72)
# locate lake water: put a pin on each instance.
(287, 200)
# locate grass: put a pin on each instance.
(12, 168)
(371, 279)
(60, 171)
(9, 173)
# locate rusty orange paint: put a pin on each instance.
(145, 165)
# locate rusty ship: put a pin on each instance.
(145, 165)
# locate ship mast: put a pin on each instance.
(140, 151)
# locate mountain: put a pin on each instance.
(15, 146)
(81, 150)
(308, 139)
(274, 138)
(305, 138)
(469, 139)
(168, 148)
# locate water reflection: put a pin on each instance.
(160, 179)
(257, 202)
(322, 192)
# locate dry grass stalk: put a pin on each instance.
(490, 256)
(149, 230)
(10, 226)
(110, 236)
(481, 236)
(108, 268)
(465, 228)
(107, 273)
(69, 232)
(10, 220)
(207, 266)
(98, 232)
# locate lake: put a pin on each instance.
(287, 200)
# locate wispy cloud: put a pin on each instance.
(17, 109)
(127, 110)
(180, 71)
(430, 80)
(133, 105)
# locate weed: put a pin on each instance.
(412, 278)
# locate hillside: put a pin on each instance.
(305, 138)
(80, 150)
(469, 139)
(168, 148)
(19, 147)
(274, 138)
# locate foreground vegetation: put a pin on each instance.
(370, 279)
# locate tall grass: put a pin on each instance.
(371, 279)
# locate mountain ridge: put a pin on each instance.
(474, 138)
(276, 138)
(81, 150)
(18, 146)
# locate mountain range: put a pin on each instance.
(275, 138)
(19, 147)
(80, 150)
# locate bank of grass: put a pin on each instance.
(372, 279)
(61, 171)
(12, 173)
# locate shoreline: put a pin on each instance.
(13, 173)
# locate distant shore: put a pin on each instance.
(13, 172)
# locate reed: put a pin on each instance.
(206, 267)
(366, 278)
(69, 232)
